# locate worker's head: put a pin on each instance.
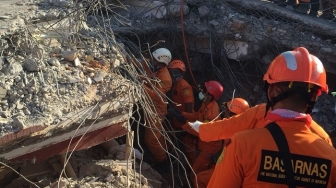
(295, 79)
(234, 107)
(211, 90)
(161, 56)
(176, 69)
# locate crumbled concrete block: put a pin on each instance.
(99, 76)
(88, 80)
(54, 62)
(77, 62)
(18, 123)
(70, 55)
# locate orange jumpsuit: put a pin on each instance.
(182, 94)
(153, 137)
(252, 159)
(206, 149)
(203, 177)
(250, 119)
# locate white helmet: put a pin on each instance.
(162, 55)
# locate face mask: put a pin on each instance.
(201, 96)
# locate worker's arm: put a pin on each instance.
(165, 82)
(229, 172)
(189, 107)
(193, 116)
(226, 128)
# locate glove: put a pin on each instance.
(171, 112)
(177, 114)
(195, 125)
(181, 119)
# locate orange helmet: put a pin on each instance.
(237, 105)
(297, 66)
(214, 88)
(177, 64)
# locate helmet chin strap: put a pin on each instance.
(272, 101)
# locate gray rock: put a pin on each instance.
(54, 62)
(203, 10)
(31, 65)
(18, 123)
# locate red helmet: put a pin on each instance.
(238, 105)
(214, 88)
(177, 64)
(297, 66)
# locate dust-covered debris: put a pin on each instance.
(93, 168)
(43, 78)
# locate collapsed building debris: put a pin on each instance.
(65, 84)
(61, 91)
(249, 32)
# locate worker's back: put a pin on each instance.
(313, 160)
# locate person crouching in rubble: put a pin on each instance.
(231, 108)
(181, 92)
(209, 111)
(161, 83)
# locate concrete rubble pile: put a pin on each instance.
(44, 78)
(93, 168)
(52, 68)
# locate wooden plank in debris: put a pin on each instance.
(26, 131)
(82, 138)
(89, 113)
(319, 24)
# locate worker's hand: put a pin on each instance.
(174, 112)
(170, 113)
(195, 125)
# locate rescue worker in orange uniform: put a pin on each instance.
(209, 111)
(231, 108)
(156, 90)
(181, 92)
(285, 153)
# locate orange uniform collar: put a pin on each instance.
(288, 115)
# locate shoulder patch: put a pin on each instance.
(308, 171)
(186, 92)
